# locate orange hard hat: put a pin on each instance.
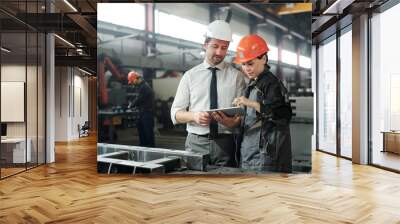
(133, 77)
(250, 47)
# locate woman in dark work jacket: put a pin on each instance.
(266, 143)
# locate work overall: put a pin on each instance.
(266, 141)
(251, 156)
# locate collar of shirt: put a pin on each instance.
(220, 66)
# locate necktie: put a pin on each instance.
(213, 102)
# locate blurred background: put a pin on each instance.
(161, 41)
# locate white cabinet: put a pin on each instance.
(17, 147)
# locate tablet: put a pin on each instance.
(229, 111)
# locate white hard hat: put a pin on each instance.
(220, 30)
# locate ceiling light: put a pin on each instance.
(5, 50)
(65, 41)
(84, 71)
(70, 5)
(331, 7)
(337, 7)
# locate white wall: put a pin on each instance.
(71, 87)
(15, 73)
(33, 125)
(12, 101)
(61, 103)
(79, 117)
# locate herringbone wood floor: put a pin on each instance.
(70, 191)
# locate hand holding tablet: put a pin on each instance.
(229, 111)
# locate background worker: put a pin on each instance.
(266, 144)
(210, 85)
(145, 102)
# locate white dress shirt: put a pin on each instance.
(194, 92)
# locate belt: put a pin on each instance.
(210, 137)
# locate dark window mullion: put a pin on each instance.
(338, 98)
(26, 86)
(369, 100)
(37, 90)
(316, 97)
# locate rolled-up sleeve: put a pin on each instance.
(182, 97)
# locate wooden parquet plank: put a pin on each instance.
(71, 191)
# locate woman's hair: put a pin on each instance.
(266, 60)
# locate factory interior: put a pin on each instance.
(164, 58)
(66, 102)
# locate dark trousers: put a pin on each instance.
(222, 149)
(146, 129)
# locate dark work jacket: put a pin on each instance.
(145, 99)
(275, 114)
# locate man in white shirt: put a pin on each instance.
(210, 85)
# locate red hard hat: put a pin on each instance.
(133, 77)
(250, 47)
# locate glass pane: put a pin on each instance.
(327, 97)
(31, 97)
(13, 87)
(273, 53)
(385, 89)
(346, 94)
(289, 57)
(41, 99)
(305, 62)
(32, 86)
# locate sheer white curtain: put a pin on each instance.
(327, 96)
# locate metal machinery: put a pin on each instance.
(113, 158)
(115, 100)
